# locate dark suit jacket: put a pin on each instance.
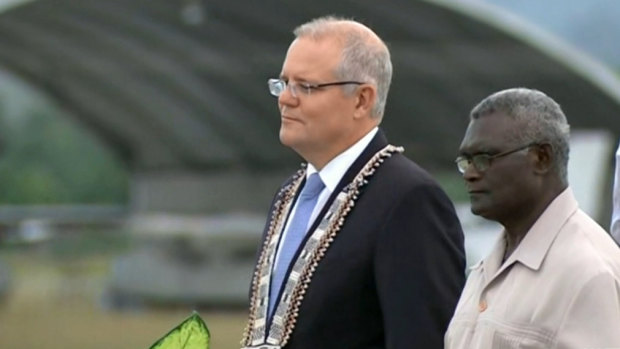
(394, 273)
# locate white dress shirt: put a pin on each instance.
(615, 216)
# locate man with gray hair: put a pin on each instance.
(553, 278)
(362, 248)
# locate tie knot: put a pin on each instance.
(314, 185)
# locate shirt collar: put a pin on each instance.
(333, 172)
(537, 241)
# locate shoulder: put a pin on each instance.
(404, 177)
(410, 197)
(585, 250)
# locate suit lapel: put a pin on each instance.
(378, 142)
(268, 328)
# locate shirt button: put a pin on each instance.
(482, 306)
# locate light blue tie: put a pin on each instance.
(297, 229)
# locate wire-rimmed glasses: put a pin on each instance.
(483, 161)
(277, 86)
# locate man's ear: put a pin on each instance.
(544, 158)
(365, 101)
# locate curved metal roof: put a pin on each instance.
(182, 84)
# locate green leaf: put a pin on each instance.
(192, 333)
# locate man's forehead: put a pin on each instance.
(491, 131)
(493, 124)
(309, 56)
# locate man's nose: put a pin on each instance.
(471, 173)
(287, 98)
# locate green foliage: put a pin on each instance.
(49, 160)
(192, 333)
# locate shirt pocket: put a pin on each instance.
(459, 333)
(512, 335)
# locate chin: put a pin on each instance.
(481, 210)
(475, 210)
(481, 213)
(290, 138)
(286, 138)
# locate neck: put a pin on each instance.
(321, 157)
(519, 223)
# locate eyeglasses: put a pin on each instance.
(277, 86)
(483, 161)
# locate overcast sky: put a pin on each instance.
(590, 25)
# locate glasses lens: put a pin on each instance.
(481, 162)
(462, 164)
(276, 86)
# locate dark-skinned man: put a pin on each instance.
(553, 278)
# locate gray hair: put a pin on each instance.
(365, 57)
(540, 120)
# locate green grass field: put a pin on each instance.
(54, 304)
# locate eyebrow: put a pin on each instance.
(296, 79)
(481, 150)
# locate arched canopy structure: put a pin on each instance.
(182, 84)
(178, 89)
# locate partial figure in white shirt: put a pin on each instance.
(615, 216)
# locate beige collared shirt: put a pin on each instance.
(559, 289)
